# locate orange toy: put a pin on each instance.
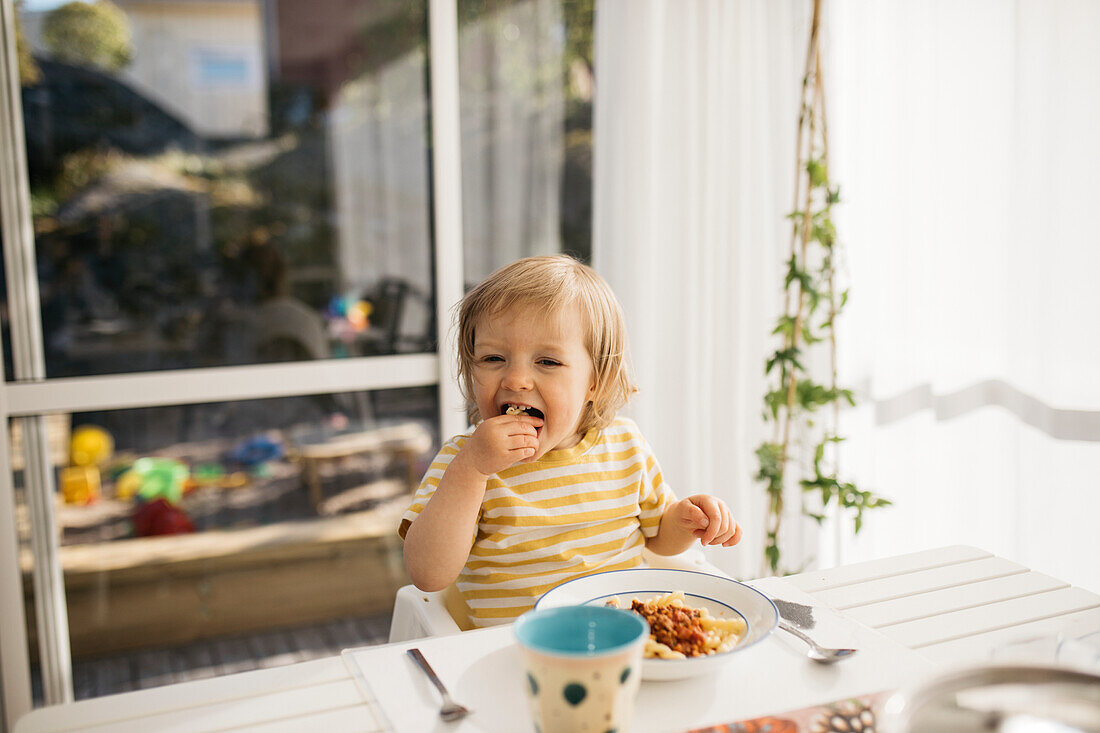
(80, 484)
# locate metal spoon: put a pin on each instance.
(816, 652)
(451, 710)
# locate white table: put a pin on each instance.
(944, 607)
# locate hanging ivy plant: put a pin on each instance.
(805, 330)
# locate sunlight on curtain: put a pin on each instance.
(964, 138)
(513, 146)
(695, 119)
(513, 133)
(380, 164)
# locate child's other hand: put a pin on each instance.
(708, 519)
(502, 441)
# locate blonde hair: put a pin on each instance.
(552, 284)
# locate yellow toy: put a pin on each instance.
(235, 480)
(359, 315)
(128, 484)
(80, 484)
(90, 446)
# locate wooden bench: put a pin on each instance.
(160, 591)
(405, 442)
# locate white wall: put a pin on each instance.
(221, 88)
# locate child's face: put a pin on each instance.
(534, 359)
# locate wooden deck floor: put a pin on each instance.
(156, 667)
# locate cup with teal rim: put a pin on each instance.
(583, 666)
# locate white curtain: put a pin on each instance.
(513, 134)
(963, 136)
(512, 112)
(695, 116)
(379, 162)
(965, 140)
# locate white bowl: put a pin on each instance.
(722, 597)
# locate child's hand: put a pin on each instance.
(502, 441)
(708, 519)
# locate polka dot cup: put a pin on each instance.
(582, 667)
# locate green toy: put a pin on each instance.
(160, 478)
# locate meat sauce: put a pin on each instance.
(680, 629)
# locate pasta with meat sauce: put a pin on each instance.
(678, 631)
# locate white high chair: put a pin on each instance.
(417, 614)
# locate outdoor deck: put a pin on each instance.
(257, 585)
(155, 667)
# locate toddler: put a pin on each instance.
(549, 485)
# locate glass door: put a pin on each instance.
(233, 234)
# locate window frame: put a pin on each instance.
(32, 395)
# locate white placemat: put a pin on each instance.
(482, 669)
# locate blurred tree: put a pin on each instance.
(29, 73)
(580, 26)
(89, 35)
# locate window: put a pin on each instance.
(190, 536)
(237, 197)
(195, 207)
(234, 284)
(525, 91)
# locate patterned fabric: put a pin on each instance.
(855, 715)
(574, 512)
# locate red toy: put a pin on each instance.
(158, 517)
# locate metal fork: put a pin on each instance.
(451, 710)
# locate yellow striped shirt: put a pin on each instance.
(574, 512)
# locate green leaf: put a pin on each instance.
(775, 401)
(824, 234)
(787, 356)
(813, 297)
(784, 326)
(797, 274)
(811, 395)
(771, 552)
(769, 457)
(819, 175)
